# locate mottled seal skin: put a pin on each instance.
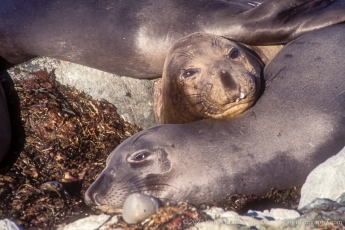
(297, 124)
(132, 38)
(5, 127)
(208, 76)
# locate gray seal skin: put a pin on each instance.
(132, 38)
(208, 76)
(297, 124)
(5, 127)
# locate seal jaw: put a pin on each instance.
(109, 209)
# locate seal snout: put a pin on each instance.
(96, 199)
(95, 193)
(93, 200)
(232, 87)
(227, 80)
(90, 199)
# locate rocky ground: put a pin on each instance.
(62, 137)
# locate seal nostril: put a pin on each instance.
(96, 200)
(227, 80)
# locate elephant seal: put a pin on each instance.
(208, 76)
(295, 125)
(132, 38)
(5, 127)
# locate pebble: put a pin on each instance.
(138, 207)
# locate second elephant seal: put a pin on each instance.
(132, 38)
(208, 76)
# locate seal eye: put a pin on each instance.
(234, 53)
(189, 72)
(140, 156)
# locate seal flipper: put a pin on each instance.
(283, 21)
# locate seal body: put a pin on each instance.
(5, 127)
(208, 76)
(132, 38)
(296, 124)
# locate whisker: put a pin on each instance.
(126, 184)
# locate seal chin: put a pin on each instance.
(229, 110)
(232, 112)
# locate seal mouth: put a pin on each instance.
(242, 96)
(223, 110)
(109, 209)
(232, 105)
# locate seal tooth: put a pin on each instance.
(237, 100)
(242, 95)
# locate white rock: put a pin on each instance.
(222, 218)
(282, 214)
(112, 221)
(212, 226)
(137, 207)
(215, 212)
(7, 224)
(88, 223)
(325, 181)
(132, 97)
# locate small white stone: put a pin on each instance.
(138, 207)
(283, 214)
